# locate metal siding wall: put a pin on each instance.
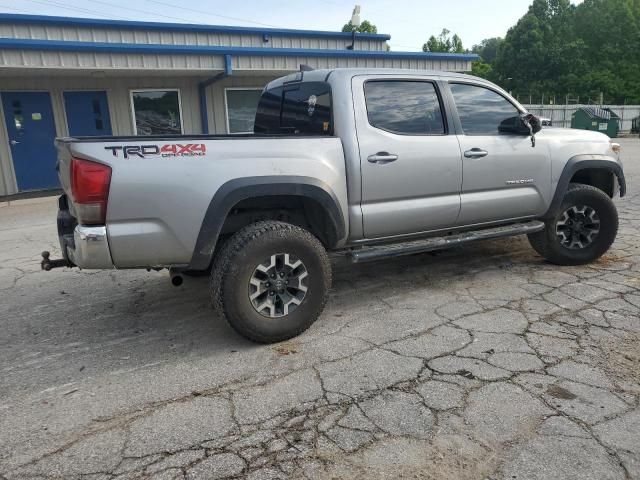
(115, 35)
(102, 61)
(283, 64)
(119, 107)
(209, 64)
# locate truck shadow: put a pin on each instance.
(120, 321)
(185, 314)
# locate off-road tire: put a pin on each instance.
(234, 266)
(547, 243)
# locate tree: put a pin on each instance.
(444, 43)
(488, 49)
(542, 52)
(482, 69)
(365, 27)
(611, 35)
(557, 48)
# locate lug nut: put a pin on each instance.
(282, 274)
(272, 293)
(268, 284)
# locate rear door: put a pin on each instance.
(31, 130)
(87, 113)
(504, 176)
(410, 160)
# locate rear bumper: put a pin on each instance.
(83, 246)
(91, 248)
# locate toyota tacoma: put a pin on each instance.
(373, 163)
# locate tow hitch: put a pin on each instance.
(47, 264)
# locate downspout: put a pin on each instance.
(202, 91)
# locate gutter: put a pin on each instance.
(202, 91)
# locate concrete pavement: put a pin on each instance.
(481, 362)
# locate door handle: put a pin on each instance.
(14, 142)
(476, 153)
(382, 157)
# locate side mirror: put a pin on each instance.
(531, 122)
(523, 124)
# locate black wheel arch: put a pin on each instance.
(237, 190)
(580, 163)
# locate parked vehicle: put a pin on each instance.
(377, 163)
(546, 122)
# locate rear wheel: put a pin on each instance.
(270, 281)
(583, 229)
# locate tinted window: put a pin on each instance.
(481, 110)
(302, 109)
(405, 107)
(306, 109)
(268, 114)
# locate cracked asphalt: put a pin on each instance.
(482, 362)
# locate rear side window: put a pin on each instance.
(268, 114)
(404, 107)
(298, 109)
(481, 110)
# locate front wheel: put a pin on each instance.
(270, 281)
(583, 229)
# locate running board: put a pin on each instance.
(367, 254)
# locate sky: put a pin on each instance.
(409, 22)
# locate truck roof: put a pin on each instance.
(339, 74)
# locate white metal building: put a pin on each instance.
(64, 76)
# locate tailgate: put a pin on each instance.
(63, 145)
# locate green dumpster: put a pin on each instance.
(635, 125)
(599, 119)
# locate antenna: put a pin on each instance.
(355, 23)
(355, 17)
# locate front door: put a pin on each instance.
(87, 113)
(410, 163)
(505, 177)
(31, 131)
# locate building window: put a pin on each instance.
(242, 104)
(156, 112)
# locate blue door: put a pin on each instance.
(87, 113)
(31, 129)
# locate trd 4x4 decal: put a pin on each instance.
(167, 150)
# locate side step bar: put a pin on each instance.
(367, 254)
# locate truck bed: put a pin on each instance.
(162, 186)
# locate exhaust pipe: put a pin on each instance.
(176, 278)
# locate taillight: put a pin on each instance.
(90, 190)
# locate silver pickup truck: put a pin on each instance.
(377, 163)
